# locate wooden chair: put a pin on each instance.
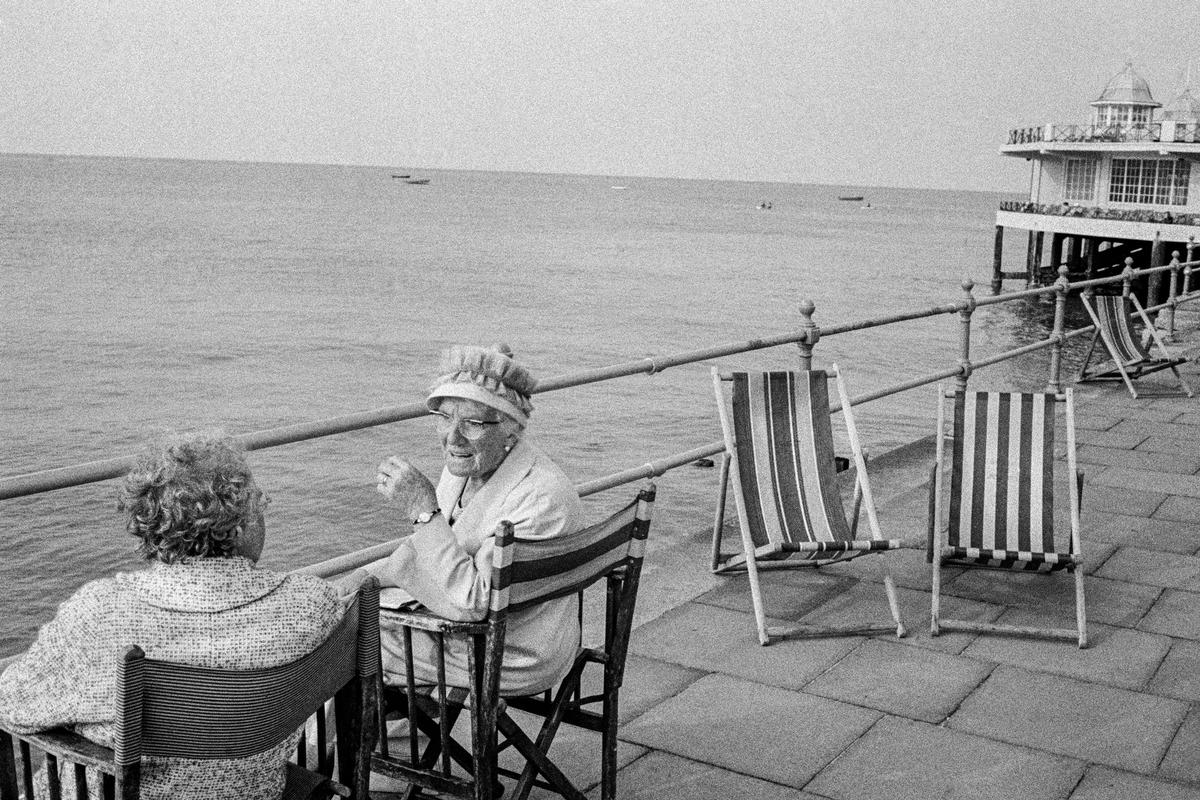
(779, 450)
(1001, 513)
(525, 573)
(170, 710)
(1130, 358)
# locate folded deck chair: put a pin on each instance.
(1001, 512)
(1130, 357)
(779, 451)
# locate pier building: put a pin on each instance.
(1125, 184)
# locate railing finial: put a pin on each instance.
(812, 333)
(964, 315)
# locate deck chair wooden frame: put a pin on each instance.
(525, 573)
(779, 451)
(1001, 498)
(171, 710)
(1130, 358)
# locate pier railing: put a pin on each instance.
(1164, 131)
(806, 338)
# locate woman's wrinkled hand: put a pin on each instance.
(406, 487)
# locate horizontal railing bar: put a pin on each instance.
(1019, 351)
(350, 561)
(651, 469)
(91, 472)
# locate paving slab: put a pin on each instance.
(1149, 534)
(1160, 428)
(1105, 783)
(1124, 440)
(1178, 675)
(574, 750)
(1152, 481)
(909, 682)
(753, 729)
(1183, 462)
(662, 776)
(1109, 602)
(866, 604)
(904, 759)
(1120, 500)
(787, 594)
(1181, 509)
(1153, 567)
(647, 683)
(1175, 613)
(715, 639)
(1114, 656)
(1117, 727)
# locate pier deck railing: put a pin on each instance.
(806, 338)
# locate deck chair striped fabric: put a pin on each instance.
(779, 452)
(525, 573)
(174, 710)
(1129, 356)
(1001, 497)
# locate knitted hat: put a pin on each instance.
(487, 375)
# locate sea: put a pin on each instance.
(144, 296)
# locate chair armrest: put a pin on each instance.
(427, 621)
(70, 746)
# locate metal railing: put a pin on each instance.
(806, 339)
(1095, 212)
(1118, 132)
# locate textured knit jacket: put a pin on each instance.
(212, 612)
(448, 570)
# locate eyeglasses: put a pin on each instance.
(471, 429)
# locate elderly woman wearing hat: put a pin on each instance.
(480, 408)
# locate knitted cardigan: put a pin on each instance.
(210, 612)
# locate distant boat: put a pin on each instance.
(618, 187)
(417, 181)
(854, 197)
(400, 176)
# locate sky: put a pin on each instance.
(913, 93)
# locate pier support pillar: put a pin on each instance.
(1154, 281)
(1056, 251)
(1036, 267)
(1075, 255)
(997, 261)
(1089, 257)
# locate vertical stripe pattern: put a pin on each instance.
(1002, 482)
(784, 445)
(1113, 313)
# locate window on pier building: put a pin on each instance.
(1149, 181)
(1080, 180)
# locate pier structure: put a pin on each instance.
(708, 712)
(1124, 185)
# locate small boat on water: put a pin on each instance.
(400, 176)
(417, 181)
(855, 197)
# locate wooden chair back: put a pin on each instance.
(171, 710)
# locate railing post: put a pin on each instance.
(1172, 294)
(811, 333)
(1060, 321)
(964, 315)
(1127, 275)
(1187, 271)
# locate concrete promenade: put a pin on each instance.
(709, 713)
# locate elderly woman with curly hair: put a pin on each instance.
(197, 514)
(492, 472)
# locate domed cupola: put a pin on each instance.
(1126, 100)
(1184, 108)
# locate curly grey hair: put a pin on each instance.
(189, 496)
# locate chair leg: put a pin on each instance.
(890, 586)
(527, 748)
(936, 593)
(1186, 388)
(719, 517)
(1080, 608)
(760, 614)
(1082, 374)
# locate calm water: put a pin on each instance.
(146, 295)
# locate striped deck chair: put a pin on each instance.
(169, 710)
(1001, 510)
(525, 573)
(1130, 357)
(779, 450)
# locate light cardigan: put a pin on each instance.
(212, 612)
(447, 569)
